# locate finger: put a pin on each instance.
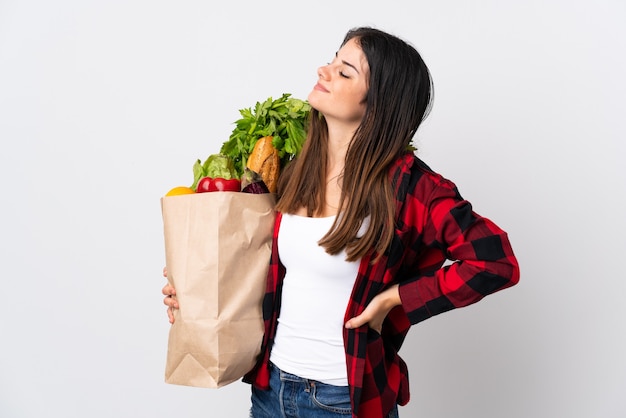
(170, 301)
(356, 322)
(168, 290)
(172, 304)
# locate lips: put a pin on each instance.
(321, 88)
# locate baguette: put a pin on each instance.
(264, 161)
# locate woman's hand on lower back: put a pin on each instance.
(376, 312)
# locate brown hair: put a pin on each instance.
(398, 100)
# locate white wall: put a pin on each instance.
(104, 105)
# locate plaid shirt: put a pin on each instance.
(433, 224)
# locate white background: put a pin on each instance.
(105, 105)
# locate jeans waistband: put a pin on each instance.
(289, 377)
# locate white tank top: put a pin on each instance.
(316, 291)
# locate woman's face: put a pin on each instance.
(342, 86)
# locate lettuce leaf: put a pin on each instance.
(216, 165)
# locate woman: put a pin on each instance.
(362, 232)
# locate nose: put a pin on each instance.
(322, 72)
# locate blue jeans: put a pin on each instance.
(291, 396)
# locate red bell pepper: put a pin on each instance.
(218, 184)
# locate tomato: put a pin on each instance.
(218, 184)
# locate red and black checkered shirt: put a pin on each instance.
(433, 224)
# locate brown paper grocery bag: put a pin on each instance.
(217, 250)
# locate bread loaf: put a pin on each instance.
(264, 160)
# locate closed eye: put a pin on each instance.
(341, 73)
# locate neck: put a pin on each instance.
(339, 138)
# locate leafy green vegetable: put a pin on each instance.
(216, 165)
(284, 119)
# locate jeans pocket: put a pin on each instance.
(335, 399)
